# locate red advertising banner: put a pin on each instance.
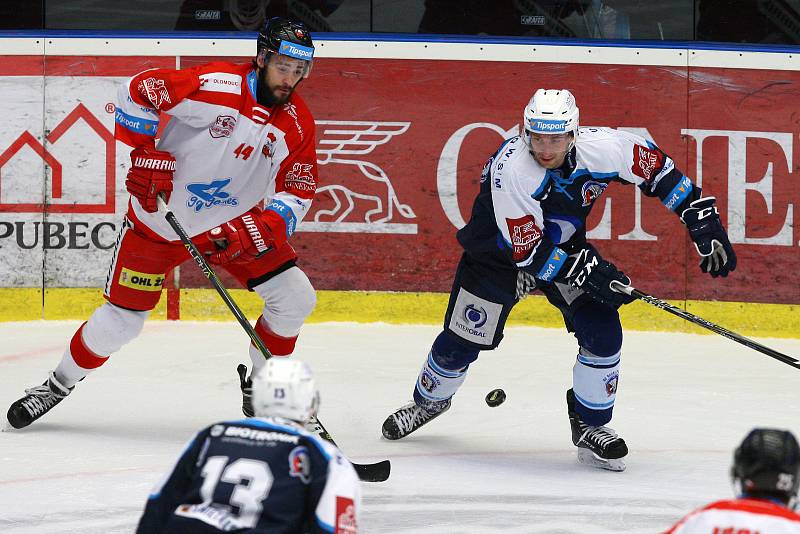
(401, 144)
(713, 122)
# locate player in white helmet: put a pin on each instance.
(263, 474)
(528, 232)
(285, 388)
(550, 126)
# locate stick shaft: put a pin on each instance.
(214, 279)
(747, 342)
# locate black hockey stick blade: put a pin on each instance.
(674, 310)
(377, 472)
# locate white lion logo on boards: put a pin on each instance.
(361, 197)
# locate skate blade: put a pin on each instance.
(587, 457)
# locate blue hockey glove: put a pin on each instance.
(594, 275)
(710, 239)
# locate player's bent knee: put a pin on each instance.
(289, 298)
(450, 352)
(110, 327)
(598, 330)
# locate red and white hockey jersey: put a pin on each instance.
(739, 516)
(231, 152)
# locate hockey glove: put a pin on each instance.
(592, 274)
(709, 236)
(150, 175)
(241, 239)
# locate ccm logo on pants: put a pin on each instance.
(474, 319)
(141, 281)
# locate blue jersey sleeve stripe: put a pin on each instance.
(553, 265)
(324, 526)
(286, 214)
(678, 193)
(136, 124)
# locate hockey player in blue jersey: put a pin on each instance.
(528, 231)
(265, 474)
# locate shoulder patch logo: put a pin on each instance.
(156, 91)
(524, 236)
(646, 162)
(300, 464)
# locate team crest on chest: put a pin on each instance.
(591, 190)
(268, 150)
(222, 127)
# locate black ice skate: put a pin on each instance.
(37, 402)
(247, 390)
(598, 446)
(409, 418)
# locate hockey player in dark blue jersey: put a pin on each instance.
(528, 231)
(264, 474)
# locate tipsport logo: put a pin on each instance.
(546, 126)
(210, 195)
(296, 51)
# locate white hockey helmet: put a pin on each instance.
(285, 387)
(550, 111)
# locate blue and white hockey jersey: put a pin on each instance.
(257, 475)
(531, 218)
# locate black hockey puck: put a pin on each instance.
(496, 397)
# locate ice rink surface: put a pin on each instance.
(684, 402)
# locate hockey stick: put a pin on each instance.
(666, 306)
(374, 472)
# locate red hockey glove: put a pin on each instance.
(241, 239)
(150, 175)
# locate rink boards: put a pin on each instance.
(403, 130)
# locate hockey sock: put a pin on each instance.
(78, 361)
(594, 382)
(107, 330)
(277, 345)
(436, 384)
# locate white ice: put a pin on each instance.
(684, 403)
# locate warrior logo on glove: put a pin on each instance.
(150, 175)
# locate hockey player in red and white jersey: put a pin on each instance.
(765, 473)
(237, 166)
